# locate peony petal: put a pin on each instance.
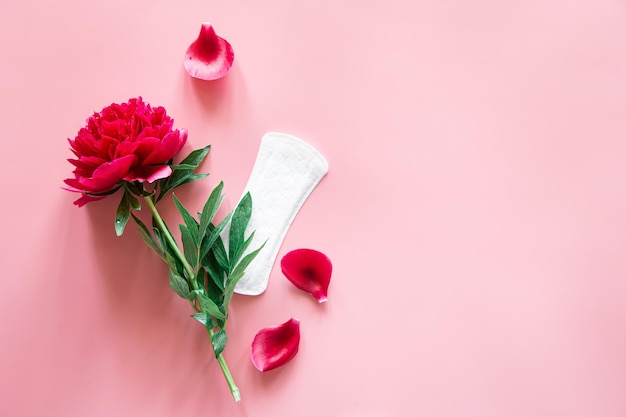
(75, 185)
(86, 199)
(275, 346)
(107, 175)
(209, 57)
(126, 148)
(309, 270)
(171, 144)
(149, 174)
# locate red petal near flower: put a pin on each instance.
(209, 57)
(309, 270)
(107, 175)
(275, 346)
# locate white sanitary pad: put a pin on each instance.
(286, 171)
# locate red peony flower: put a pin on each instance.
(124, 142)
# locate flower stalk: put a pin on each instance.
(234, 390)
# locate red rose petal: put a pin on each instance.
(276, 345)
(209, 57)
(309, 270)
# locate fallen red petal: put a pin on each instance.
(274, 346)
(209, 57)
(309, 270)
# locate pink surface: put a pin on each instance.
(474, 209)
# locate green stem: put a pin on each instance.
(170, 240)
(169, 237)
(234, 390)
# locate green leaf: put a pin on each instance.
(245, 262)
(208, 241)
(192, 224)
(180, 286)
(238, 225)
(216, 273)
(205, 319)
(187, 179)
(219, 342)
(134, 203)
(210, 208)
(241, 250)
(194, 177)
(237, 274)
(200, 277)
(229, 290)
(184, 175)
(220, 254)
(196, 157)
(147, 237)
(182, 166)
(174, 264)
(171, 258)
(210, 307)
(157, 237)
(122, 215)
(112, 191)
(189, 246)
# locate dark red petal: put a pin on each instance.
(275, 346)
(309, 270)
(107, 175)
(209, 57)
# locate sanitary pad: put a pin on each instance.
(286, 171)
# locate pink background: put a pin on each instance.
(474, 208)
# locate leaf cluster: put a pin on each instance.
(205, 273)
(216, 270)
